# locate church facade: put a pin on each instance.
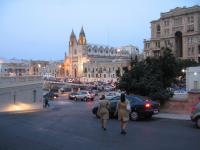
(90, 62)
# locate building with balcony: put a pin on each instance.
(179, 30)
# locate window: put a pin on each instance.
(166, 22)
(147, 45)
(166, 31)
(196, 84)
(88, 75)
(192, 51)
(190, 19)
(167, 42)
(189, 51)
(158, 44)
(85, 70)
(96, 75)
(158, 28)
(190, 40)
(190, 28)
(104, 75)
(178, 21)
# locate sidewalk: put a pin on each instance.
(173, 116)
(21, 107)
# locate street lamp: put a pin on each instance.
(183, 70)
(195, 73)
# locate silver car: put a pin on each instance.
(195, 115)
(83, 96)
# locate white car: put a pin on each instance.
(82, 95)
(110, 95)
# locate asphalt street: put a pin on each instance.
(71, 126)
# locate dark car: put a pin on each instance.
(50, 95)
(72, 95)
(140, 108)
(65, 89)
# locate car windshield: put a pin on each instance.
(74, 93)
(83, 93)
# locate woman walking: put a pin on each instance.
(103, 112)
(123, 108)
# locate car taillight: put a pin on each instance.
(147, 105)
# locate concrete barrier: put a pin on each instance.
(21, 93)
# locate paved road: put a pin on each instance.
(71, 126)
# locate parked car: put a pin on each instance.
(111, 95)
(195, 115)
(108, 88)
(64, 89)
(95, 92)
(82, 95)
(72, 95)
(50, 95)
(140, 108)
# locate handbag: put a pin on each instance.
(128, 107)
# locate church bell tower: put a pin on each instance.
(82, 38)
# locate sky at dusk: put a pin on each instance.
(40, 29)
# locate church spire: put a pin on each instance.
(82, 38)
(82, 33)
(73, 39)
(72, 34)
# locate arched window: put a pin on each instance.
(85, 70)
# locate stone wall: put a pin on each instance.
(7, 81)
(30, 94)
(183, 107)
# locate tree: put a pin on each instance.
(168, 67)
(150, 77)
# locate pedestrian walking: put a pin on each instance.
(45, 101)
(103, 111)
(123, 109)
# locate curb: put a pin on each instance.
(173, 116)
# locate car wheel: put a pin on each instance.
(198, 122)
(85, 99)
(134, 116)
(76, 99)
